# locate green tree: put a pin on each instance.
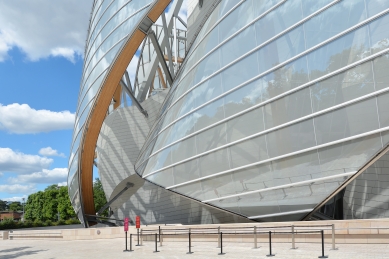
(50, 204)
(3, 205)
(99, 196)
(65, 208)
(15, 206)
(34, 206)
(45, 205)
(52, 187)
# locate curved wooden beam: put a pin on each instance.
(98, 111)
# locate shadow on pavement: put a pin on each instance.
(14, 249)
(19, 254)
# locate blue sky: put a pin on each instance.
(41, 59)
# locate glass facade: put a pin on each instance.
(276, 104)
(112, 21)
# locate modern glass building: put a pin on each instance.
(259, 110)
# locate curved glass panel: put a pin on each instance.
(111, 23)
(265, 95)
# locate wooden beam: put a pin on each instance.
(179, 60)
(161, 77)
(116, 96)
(102, 101)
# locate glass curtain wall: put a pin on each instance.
(111, 23)
(275, 106)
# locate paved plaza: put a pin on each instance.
(113, 248)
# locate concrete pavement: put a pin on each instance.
(113, 248)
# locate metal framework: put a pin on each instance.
(102, 102)
(160, 50)
(158, 41)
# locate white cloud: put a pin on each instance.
(64, 52)
(15, 198)
(42, 28)
(17, 162)
(63, 184)
(48, 151)
(56, 175)
(22, 119)
(5, 45)
(17, 188)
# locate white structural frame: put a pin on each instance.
(269, 101)
(269, 70)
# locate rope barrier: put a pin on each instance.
(232, 233)
(219, 235)
(250, 227)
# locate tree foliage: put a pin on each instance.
(46, 205)
(99, 196)
(15, 206)
(3, 205)
(65, 208)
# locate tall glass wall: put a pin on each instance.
(111, 23)
(275, 106)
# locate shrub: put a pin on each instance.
(8, 223)
(28, 224)
(48, 223)
(37, 223)
(61, 222)
(72, 221)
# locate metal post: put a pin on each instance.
(159, 233)
(130, 244)
(138, 236)
(218, 237)
(270, 254)
(333, 237)
(190, 231)
(167, 44)
(322, 246)
(126, 241)
(293, 241)
(255, 237)
(156, 249)
(190, 244)
(221, 243)
(175, 44)
(126, 244)
(161, 238)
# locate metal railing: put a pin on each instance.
(160, 233)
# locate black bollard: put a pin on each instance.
(221, 244)
(322, 246)
(190, 245)
(126, 245)
(156, 250)
(270, 254)
(138, 237)
(130, 244)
